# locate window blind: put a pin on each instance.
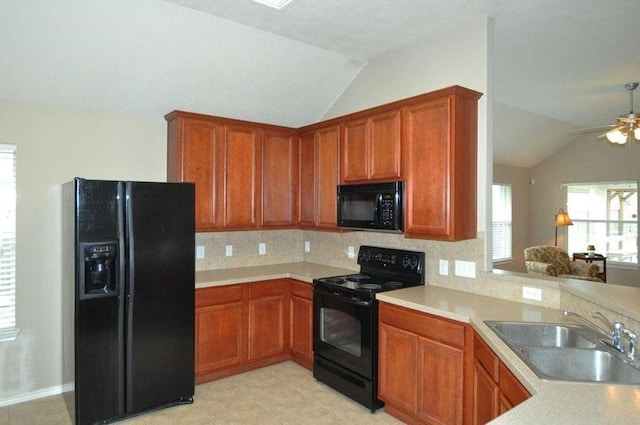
(502, 222)
(7, 237)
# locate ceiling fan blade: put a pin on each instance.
(594, 129)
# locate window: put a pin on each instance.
(502, 222)
(604, 215)
(7, 241)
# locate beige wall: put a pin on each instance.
(584, 160)
(53, 146)
(518, 178)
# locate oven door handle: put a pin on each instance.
(350, 300)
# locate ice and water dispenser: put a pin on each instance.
(99, 273)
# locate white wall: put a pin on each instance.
(461, 56)
(53, 146)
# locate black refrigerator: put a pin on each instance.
(130, 295)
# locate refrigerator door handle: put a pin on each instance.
(130, 292)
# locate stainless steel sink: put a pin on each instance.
(543, 334)
(558, 351)
(575, 364)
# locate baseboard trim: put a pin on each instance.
(34, 395)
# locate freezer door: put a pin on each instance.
(99, 301)
(161, 290)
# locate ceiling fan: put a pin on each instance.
(628, 126)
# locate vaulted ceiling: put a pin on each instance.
(558, 66)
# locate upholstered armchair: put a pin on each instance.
(554, 261)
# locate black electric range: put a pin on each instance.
(345, 320)
(381, 269)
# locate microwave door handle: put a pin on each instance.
(376, 214)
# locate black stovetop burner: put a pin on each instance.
(381, 269)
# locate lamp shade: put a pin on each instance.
(562, 219)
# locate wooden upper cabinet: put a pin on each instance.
(280, 157)
(319, 156)
(245, 173)
(242, 172)
(370, 148)
(192, 156)
(307, 180)
(327, 151)
(439, 161)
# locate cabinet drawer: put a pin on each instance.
(511, 388)
(486, 357)
(267, 288)
(218, 295)
(429, 326)
(301, 290)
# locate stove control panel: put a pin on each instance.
(391, 259)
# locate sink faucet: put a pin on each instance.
(616, 334)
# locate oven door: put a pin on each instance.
(344, 330)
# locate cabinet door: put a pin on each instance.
(398, 368)
(267, 323)
(327, 150)
(512, 392)
(219, 341)
(196, 145)
(370, 148)
(384, 146)
(426, 146)
(242, 172)
(440, 383)
(307, 180)
(354, 151)
(279, 179)
(439, 162)
(486, 396)
(301, 330)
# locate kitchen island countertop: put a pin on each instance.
(552, 401)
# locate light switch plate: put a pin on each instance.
(351, 252)
(307, 246)
(262, 248)
(229, 250)
(465, 268)
(444, 267)
(199, 252)
(531, 293)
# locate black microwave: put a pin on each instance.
(373, 206)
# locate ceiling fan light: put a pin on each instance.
(617, 136)
(636, 133)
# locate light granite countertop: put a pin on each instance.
(552, 402)
(305, 272)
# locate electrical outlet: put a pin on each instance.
(229, 250)
(531, 293)
(262, 248)
(351, 252)
(465, 268)
(444, 267)
(199, 252)
(307, 246)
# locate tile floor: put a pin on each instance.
(284, 393)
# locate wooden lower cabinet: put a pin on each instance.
(425, 367)
(241, 327)
(496, 389)
(246, 326)
(301, 321)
